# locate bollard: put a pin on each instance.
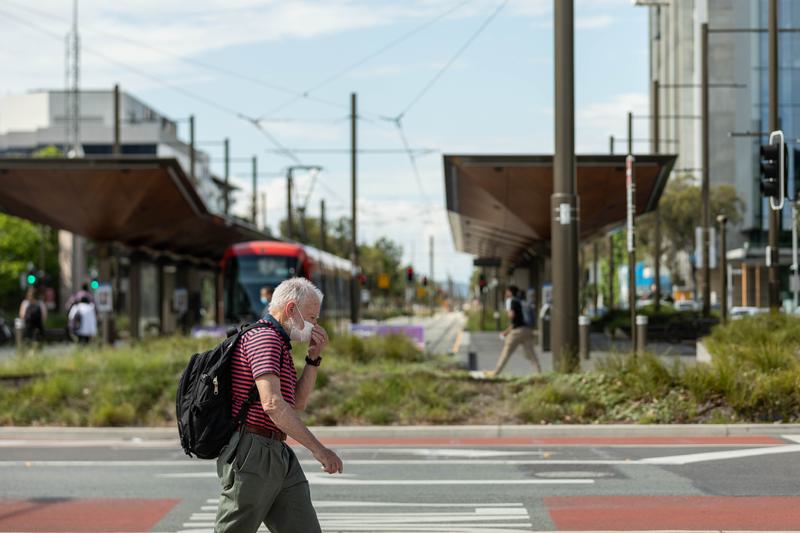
(641, 333)
(472, 361)
(583, 336)
(19, 329)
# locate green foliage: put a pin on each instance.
(754, 377)
(20, 244)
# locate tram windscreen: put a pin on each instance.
(244, 277)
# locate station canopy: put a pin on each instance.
(140, 202)
(499, 205)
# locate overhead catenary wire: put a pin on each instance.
(194, 62)
(365, 59)
(189, 94)
(428, 86)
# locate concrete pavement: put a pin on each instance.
(582, 481)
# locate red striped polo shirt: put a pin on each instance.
(261, 351)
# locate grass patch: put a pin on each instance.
(754, 377)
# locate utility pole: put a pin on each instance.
(253, 212)
(595, 279)
(630, 178)
(117, 149)
(611, 268)
(289, 221)
(355, 296)
(264, 211)
(564, 201)
(774, 124)
(227, 192)
(723, 268)
(611, 144)
(191, 150)
(431, 283)
(656, 122)
(323, 230)
(705, 189)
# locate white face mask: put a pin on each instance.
(301, 335)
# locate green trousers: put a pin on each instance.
(262, 481)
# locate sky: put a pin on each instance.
(463, 76)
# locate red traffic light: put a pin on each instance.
(409, 274)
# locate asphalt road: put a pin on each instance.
(430, 484)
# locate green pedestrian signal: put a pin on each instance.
(95, 284)
(31, 279)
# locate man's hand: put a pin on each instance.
(319, 339)
(329, 460)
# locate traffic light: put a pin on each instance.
(424, 281)
(410, 274)
(31, 278)
(482, 281)
(771, 183)
(94, 284)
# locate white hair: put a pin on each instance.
(297, 290)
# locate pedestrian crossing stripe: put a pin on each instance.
(397, 517)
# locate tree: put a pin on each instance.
(681, 212)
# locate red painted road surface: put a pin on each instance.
(626, 513)
(751, 440)
(102, 515)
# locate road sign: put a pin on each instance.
(631, 194)
(383, 280)
(421, 292)
(104, 299)
(180, 300)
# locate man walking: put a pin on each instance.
(82, 319)
(262, 481)
(517, 332)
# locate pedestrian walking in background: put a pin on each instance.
(261, 478)
(33, 313)
(82, 320)
(84, 292)
(266, 296)
(517, 333)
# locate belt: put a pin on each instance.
(274, 435)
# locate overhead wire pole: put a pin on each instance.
(705, 185)
(264, 211)
(191, 150)
(227, 192)
(355, 296)
(630, 179)
(774, 124)
(289, 218)
(323, 237)
(117, 149)
(564, 201)
(254, 207)
(431, 283)
(656, 134)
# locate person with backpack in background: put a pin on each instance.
(517, 333)
(262, 480)
(33, 313)
(82, 320)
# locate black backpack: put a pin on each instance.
(33, 316)
(203, 401)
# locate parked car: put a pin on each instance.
(686, 305)
(741, 311)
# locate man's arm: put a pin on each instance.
(282, 414)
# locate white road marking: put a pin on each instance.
(451, 518)
(719, 456)
(444, 452)
(793, 438)
(348, 479)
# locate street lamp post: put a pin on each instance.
(564, 201)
